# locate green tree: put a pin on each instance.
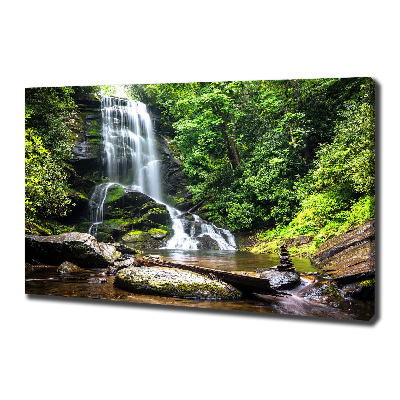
(46, 189)
(49, 114)
(254, 151)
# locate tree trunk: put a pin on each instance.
(287, 111)
(230, 138)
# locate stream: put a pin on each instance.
(95, 284)
(130, 160)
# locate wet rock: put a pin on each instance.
(138, 238)
(67, 267)
(111, 270)
(151, 239)
(158, 234)
(124, 249)
(81, 249)
(175, 182)
(97, 280)
(207, 243)
(364, 290)
(151, 257)
(173, 282)
(129, 262)
(135, 218)
(349, 257)
(281, 279)
(323, 292)
(285, 263)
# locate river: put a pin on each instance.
(47, 281)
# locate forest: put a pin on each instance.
(267, 159)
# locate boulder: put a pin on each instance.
(81, 249)
(152, 239)
(173, 282)
(323, 292)
(206, 242)
(281, 279)
(67, 267)
(126, 249)
(364, 290)
(128, 211)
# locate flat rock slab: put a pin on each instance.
(174, 282)
(350, 256)
(81, 249)
(281, 279)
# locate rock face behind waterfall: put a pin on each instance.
(81, 249)
(175, 182)
(135, 218)
(86, 159)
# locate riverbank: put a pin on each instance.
(347, 259)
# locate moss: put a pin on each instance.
(151, 208)
(117, 222)
(369, 283)
(263, 247)
(82, 227)
(135, 236)
(95, 129)
(48, 227)
(114, 193)
(74, 194)
(153, 281)
(155, 231)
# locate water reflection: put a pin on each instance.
(229, 260)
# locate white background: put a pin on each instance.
(68, 349)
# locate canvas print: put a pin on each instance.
(251, 196)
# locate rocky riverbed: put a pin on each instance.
(77, 265)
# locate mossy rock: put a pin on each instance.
(114, 193)
(94, 130)
(158, 233)
(136, 236)
(133, 217)
(173, 282)
(136, 206)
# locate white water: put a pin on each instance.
(130, 160)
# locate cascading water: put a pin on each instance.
(130, 160)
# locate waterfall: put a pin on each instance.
(130, 156)
(130, 160)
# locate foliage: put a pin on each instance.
(50, 114)
(286, 158)
(46, 191)
(47, 109)
(293, 154)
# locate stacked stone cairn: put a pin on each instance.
(286, 264)
(282, 276)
